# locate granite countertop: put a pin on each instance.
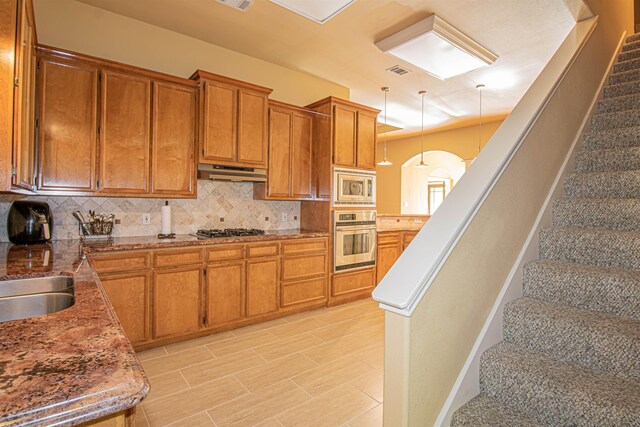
(71, 366)
(182, 240)
(401, 222)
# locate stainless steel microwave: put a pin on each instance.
(354, 188)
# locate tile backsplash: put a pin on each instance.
(219, 205)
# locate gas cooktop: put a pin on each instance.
(228, 232)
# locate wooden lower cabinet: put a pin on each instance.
(387, 256)
(225, 293)
(391, 244)
(303, 292)
(262, 286)
(352, 285)
(129, 296)
(176, 301)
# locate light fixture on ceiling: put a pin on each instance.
(437, 48)
(241, 5)
(422, 164)
(318, 11)
(384, 161)
(469, 161)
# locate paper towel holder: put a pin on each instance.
(167, 235)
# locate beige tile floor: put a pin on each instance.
(319, 368)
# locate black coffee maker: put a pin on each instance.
(29, 222)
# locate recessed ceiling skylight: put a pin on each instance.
(437, 48)
(319, 11)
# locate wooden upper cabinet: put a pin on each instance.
(252, 127)
(290, 151)
(125, 138)
(219, 121)
(344, 136)
(68, 121)
(23, 159)
(280, 139)
(174, 137)
(301, 177)
(366, 145)
(233, 122)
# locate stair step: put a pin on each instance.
(633, 38)
(619, 103)
(482, 410)
(611, 214)
(600, 248)
(612, 138)
(556, 392)
(624, 66)
(631, 46)
(624, 77)
(605, 290)
(603, 185)
(622, 89)
(616, 119)
(629, 54)
(598, 341)
(609, 160)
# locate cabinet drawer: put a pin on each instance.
(407, 237)
(225, 253)
(303, 246)
(262, 250)
(389, 238)
(302, 267)
(120, 261)
(304, 292)
(177, 257)
(358, 281)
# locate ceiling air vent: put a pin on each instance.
(241, 5)
(398, 70)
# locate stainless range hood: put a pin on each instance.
(229, 173)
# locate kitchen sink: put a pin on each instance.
(35, 285)
(24, 298)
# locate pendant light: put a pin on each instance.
(422, 164)
(468, 162)
(384, 161)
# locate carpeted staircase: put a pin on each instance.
(571, 349)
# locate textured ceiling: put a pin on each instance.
(523, 33)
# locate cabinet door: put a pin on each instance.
(219, 122)
(125, 134)
(252, 128)
(344, 136)
(176, 301)
(24, 101)
(262, 286)
(279, 153)
(129, 296)
(407, 237)
(225, 293)
(301, 179)
(174, 135)
(367, 124)
(387, 256)
(68, 122)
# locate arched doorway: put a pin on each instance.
(423, 189)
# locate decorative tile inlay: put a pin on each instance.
(232, 201)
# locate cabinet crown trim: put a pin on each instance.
(333, 100)
(205, 75)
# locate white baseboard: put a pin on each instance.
(467, 384)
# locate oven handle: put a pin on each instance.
(354, 228)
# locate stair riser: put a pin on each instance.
(608, 160)
(622, 138)
(556, 401)
(619, 119)
(617, 294)
(611, 250)
(631, 46)
(629, 54)
(625, 77)
(621, 215)
(632, 38)
(621, 103)
(622, 67)
(603, 346)
(616, 185)
(622, 89)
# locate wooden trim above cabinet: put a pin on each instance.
(343, 102)
(205, 75)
